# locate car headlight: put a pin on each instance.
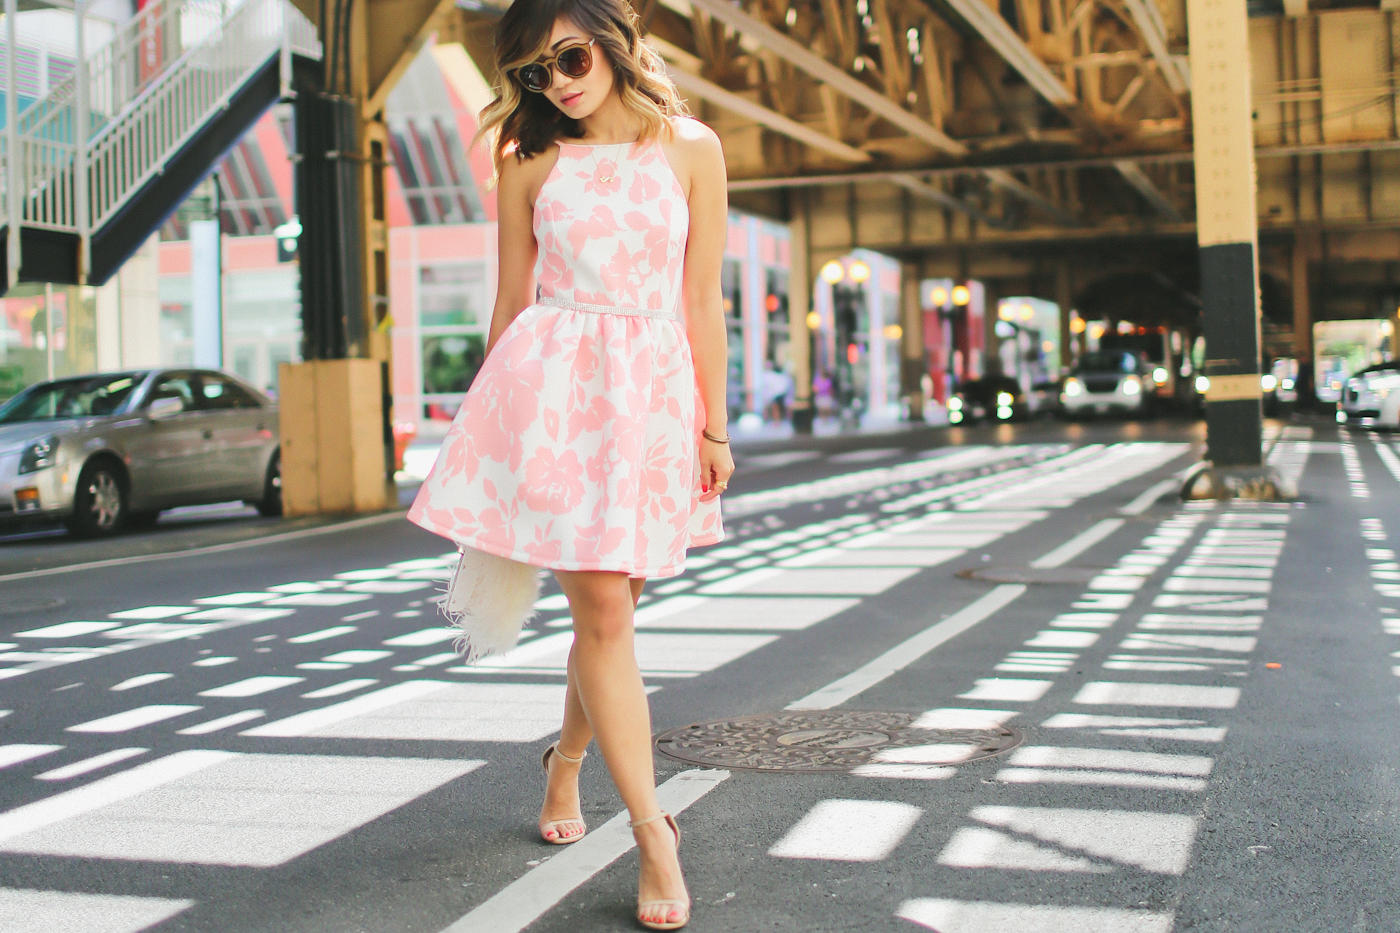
(1268, 382)
(1131, 385)
(1159, 375)
(1202, 385)
(1287, 383)
(955, 404)
(1073, 386)
(1004, 399)
(38, 455)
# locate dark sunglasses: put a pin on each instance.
(573, 61)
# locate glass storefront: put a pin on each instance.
(777, 367)
(46, 332)
(731, 287)
(454, 318)
(261, 322)
(892, 331)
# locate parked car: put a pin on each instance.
(991, 398)
(1371, 398)
(1044, 398)
(1108, 380)
(105, 451)
(1278, 388)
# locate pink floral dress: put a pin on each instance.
(575, 448)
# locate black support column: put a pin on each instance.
(1226, 228)
(328, 203)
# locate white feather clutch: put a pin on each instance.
(489, 599)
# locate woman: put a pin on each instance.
(594, 440)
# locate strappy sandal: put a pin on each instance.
(557, 826)
(662, 908)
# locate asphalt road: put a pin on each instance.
(227, 725)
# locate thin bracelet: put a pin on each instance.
(705, 433)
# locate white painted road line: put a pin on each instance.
(252, 686)
(975, 917)
(211, 549)
(78, 768)
(134, 718)
(1078, 544)
(1149, 496)
(141, 680)
(908, 651)
(85, 799)
(848, 831)
(223, 722)
(526, 899)
(16, 754)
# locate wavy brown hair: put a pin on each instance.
(527, 123)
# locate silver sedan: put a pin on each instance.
(106, 451)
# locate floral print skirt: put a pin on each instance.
(576, 447)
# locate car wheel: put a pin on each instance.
(270, 505)
(99, 504)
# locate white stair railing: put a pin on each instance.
(132, 104)
(135, 146)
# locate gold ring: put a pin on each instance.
(721, 485)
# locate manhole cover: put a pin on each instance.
(820, 740)
(1079, 575)
(14, 607)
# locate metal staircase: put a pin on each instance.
(88, 171)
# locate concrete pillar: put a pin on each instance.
(800, 304)
(1226, 228)
(911, 354)
(1306, 248)
(1064, 297)
(128, 312)
(333, 457)
(206, 293)
(755, 318)
(344, 268)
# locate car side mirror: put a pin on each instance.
(163, 408)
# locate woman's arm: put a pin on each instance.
(704, 303)
(515, 245)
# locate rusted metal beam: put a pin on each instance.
(769, 119)
(1173, 157)
(1148, 20)
(1134, 175)
(928, 192)
(1000, 36)
(1003, 179)
(837, 78)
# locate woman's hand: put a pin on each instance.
(716, 466)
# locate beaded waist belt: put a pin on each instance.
(607, 309)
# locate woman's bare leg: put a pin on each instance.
(561, 798)
(577, 732)
(608, 688)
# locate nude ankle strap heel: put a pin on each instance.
(557, 826)
(662, 908)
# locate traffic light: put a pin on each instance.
(287, 235)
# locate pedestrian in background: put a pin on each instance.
(594, 441)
